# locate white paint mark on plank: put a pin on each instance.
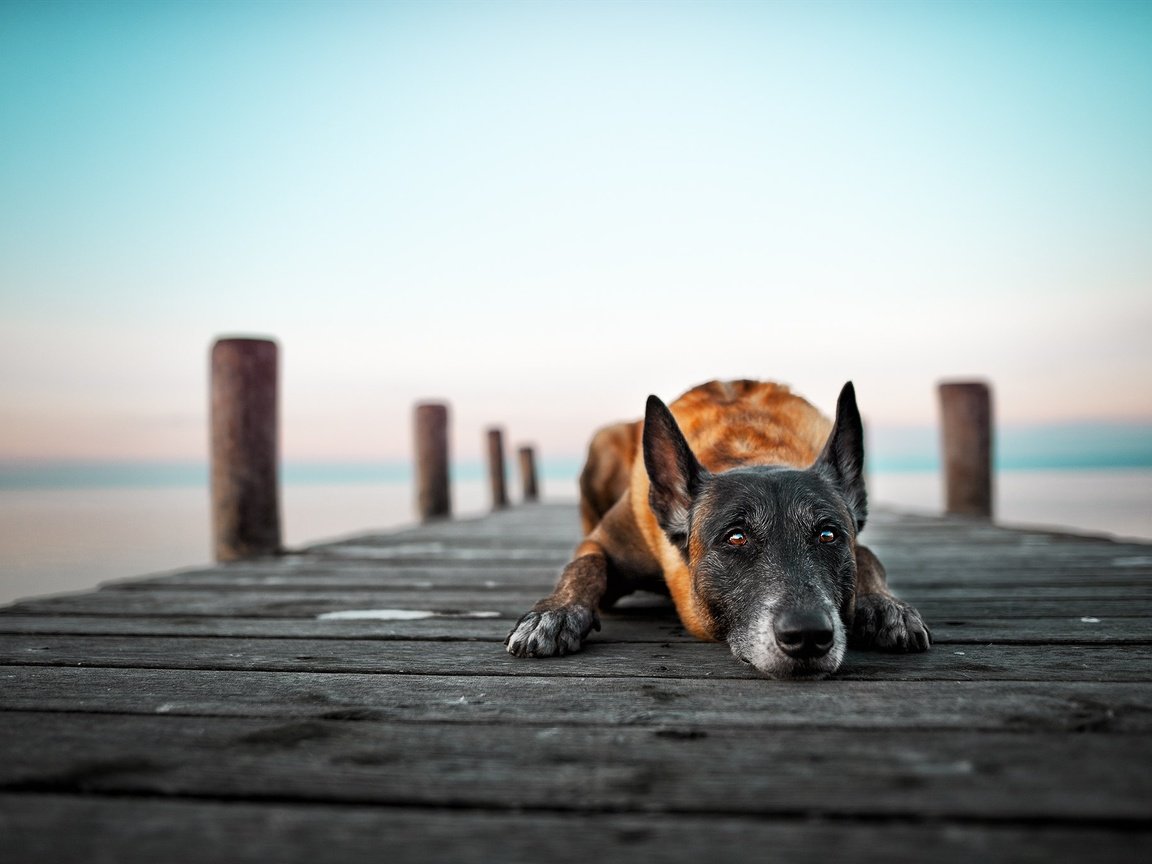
(398, 550)
(945, 769)
(448, 553)
(398, 615)
(1087, 619)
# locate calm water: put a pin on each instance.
(61, 539)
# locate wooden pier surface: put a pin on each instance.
(257, 712)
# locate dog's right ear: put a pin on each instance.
(674, 474)
(842, 460)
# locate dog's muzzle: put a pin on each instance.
(796, 641)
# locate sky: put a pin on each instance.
(543, 212)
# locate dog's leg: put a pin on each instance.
(610, 562)
(881, 620)
(558, 624)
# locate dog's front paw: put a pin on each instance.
(887, 624)
(552, 632)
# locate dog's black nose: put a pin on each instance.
(803, 633)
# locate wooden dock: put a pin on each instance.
(258, 712)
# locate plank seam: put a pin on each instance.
(1096, 727)
(1128, 824)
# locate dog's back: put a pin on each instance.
(734, 423)
(728, 424)
(607, 471)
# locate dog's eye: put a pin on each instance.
(737, 538)
(827, 535)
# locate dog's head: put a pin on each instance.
(771, 550)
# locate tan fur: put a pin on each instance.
(607, 471)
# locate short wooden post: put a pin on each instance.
(966, 428)
(528, 474)
(496, 469)
(245, 449)
(433, 495)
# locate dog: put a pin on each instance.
(744, 503)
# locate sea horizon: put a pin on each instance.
(892, 450)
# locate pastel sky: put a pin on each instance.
(545, 211)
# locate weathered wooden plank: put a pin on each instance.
(905, 529)
(344, 577)
(939, 592)
(945, 555)
(1000, 571)
(987, 775)
(560, 517)
(512, 602)
(335, 576)
(956, 559)
(544, 541)
(911, 543)
(965, 551)
(145, 831)
(559, 521)
(992, 605)
(655, 624)
(910, 550)
(507, 555)
(526, 520)
(887, 515)
(894, 527)
(956, 554)
(302, 568)
(532, 701)
(639, 627)
(598, 659)
(1083, 630)
(277, 604)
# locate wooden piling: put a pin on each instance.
(496, 469)
(245, 448)
(433, 494)
(966, 432)
(528, 474)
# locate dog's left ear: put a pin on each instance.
(674, 474)
(842, 460)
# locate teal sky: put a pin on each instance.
(545, 211)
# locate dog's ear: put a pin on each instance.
(842, 460)
(674, 474)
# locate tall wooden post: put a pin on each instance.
(966, 428)
(245, 449)
(433, 495)
(528, 474)
(496, 469)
